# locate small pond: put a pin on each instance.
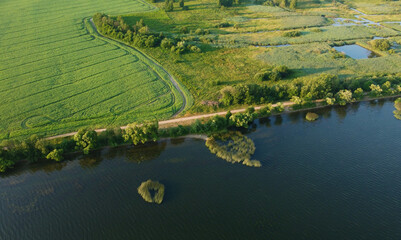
(356, 52)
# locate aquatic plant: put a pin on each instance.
(310, 116)
(397, 105)
(233, 147)
(145, 188)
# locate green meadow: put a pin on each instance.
(234, 53)
(56, 75)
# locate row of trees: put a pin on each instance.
(282, 3)
(322, 87)
(138, 35)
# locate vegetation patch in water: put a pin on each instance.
(233, 147)
(145, 188)
(397, 105)
(310, 116)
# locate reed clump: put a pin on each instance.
(149, 185)
(397, 105)
(311, 116)
(233, 147)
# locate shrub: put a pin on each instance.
(225, 3)
(144, 188)
(311, 116)
(272, 73)
(343, 97)
(380, 44)
(292, 34)
(375, 90)
(169, 5)
(6, 164)
(358, 93)
(56, 155)
(223, 25)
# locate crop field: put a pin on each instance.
(57, 75)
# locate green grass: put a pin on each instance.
(56, 77)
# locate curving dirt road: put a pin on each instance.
(173, 81)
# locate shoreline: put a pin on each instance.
(181, 121)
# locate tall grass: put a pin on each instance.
(154, 186)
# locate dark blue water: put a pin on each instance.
(336, 178)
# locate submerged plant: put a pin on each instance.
(233, 147)
(145, 188)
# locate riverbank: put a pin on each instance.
(189, 120)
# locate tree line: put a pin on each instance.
(139, 35)
(325, 86)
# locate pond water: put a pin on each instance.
(356, 52)
(336, 178)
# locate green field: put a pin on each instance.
(57, 74)
(56, 77)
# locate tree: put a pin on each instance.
(85, 140)
(241, 119)
(225, 3)
(56, 155)
(141, 133)
(343, 97)
(293, 4)
(375, 90)
(181, 2)
(169, 5)
(386, 87)
(358, 93)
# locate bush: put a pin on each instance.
(6, 164)
(273, 73)
(155, 186)
(311, 116)
(225, 3)
(343, 97)
(358, 93)
(56, 155)
(223, 25)
(380, 44)
(375, 90)
(292, 34)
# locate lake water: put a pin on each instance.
(336, 178)
(356, 52)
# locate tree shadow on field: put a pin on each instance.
(301, 72)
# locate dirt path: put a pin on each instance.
(177, 121)
(173, 81)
